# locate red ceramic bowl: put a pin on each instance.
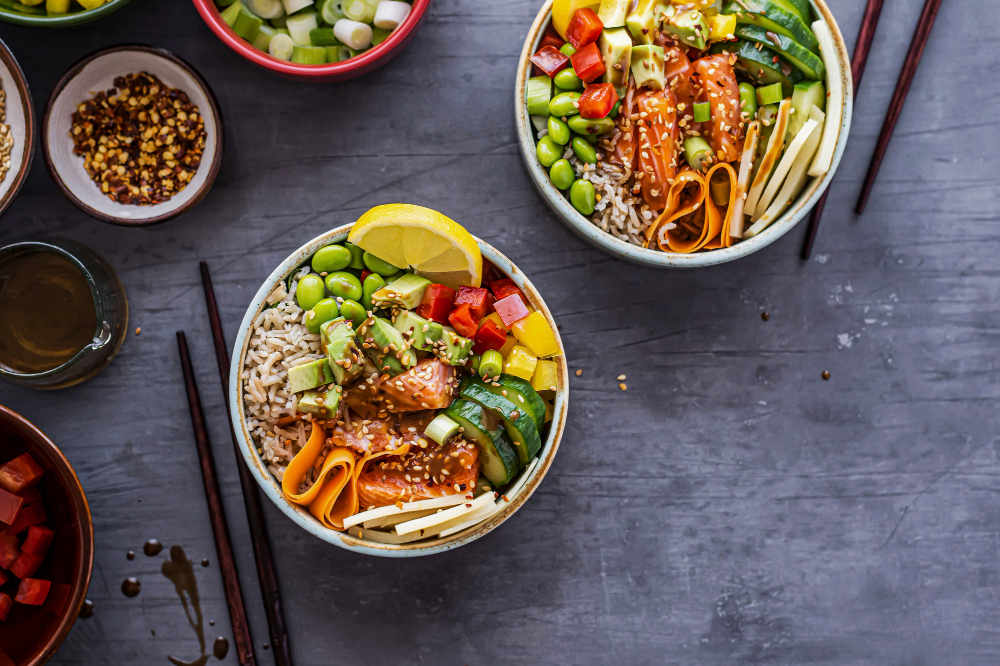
(368, 61)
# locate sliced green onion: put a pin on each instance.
(292, 6)
(702, 112)
(441, 429)
(331, 11)
(491, 364)
(300, 26)
(379, 35)
(266, 9)
(358, 10)
(390, 13)
(281, 46)
(246, 25)
(309, 55)
(343, 53)
(281, 22)
(770, 94)
(748, 101)
(264, 36)
(357, 36)
(323, 37)
(230, 13)
(697, 152)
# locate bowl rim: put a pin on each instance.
(342, 539)
(213, 102)
(24, 93)
(86, 529)
(582, 227)
(62, 20)
(356, 65)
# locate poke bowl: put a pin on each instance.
(63, 13)
(687, 134)
(398, 387)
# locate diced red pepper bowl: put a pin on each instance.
(366, 62)
(32, 633)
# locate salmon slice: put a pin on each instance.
(717, 85)
(656, 153)
(428, 471)
(428, 385)
(364, 435)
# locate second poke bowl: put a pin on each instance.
(398, 387)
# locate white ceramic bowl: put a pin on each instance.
(585, 229)
(21, 120)
(97, 72)
(299, 515)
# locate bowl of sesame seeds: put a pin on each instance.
(133, 135)
(17, 128)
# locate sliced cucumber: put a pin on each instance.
(805, 96)
(805, 60)
(518, 421)
(770, 16)
(497, 458)
(538, 94)
(796, 8)
(762, 66)
(520, 393)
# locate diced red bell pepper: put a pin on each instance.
(463, 321)
(10, 506)
(490, 336)
(588, 63)
(511, 309)
(476, 298)
(598, 100)
(32, 591)
(38, 540)
(31, 514)
(9, 549)
(30, 495)
(584, 28)
(20, 473)
(364, 274)
(25, 565)
(59, 595)
(5, 603)
(551, 38)
(550, 60)
(438, 300)
(4, 577)
(505, 287)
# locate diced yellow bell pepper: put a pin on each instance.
(91, 4)
(563, 10)
(57, 6)
(545, 377)
(520, 363)
(535, 333)
(550, 411)
(508, 346)
(32, 3)
(721, 27)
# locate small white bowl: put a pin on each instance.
(97, 72)
(585, 229)
(21, 119)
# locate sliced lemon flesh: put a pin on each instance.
(430, 243)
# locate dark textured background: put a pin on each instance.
(729, 507)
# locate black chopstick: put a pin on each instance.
(920, 36)
(266, 574)
(869, 23)
(220, 528)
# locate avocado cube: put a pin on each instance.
(386, 346)
(309, 375)
(613, 12)
(642, 23)
(687, 25)
(647, 66)
(453, 349)
(421, 332)
(342, 352)
(321, 403)
(405, 292)
(616, 49)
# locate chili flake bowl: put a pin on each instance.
(97, 72)
(526, 484)
(37, 17)
(559, 204)
(21, 119)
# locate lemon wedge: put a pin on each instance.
(433, 245)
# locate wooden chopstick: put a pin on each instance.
(869, 22)
(920, 36)
(220, 528)
(263, 557)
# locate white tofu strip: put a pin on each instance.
(784, 166)
(743, 179)
(443, 519)
(383, 537)
(834, 100)
(407, 507)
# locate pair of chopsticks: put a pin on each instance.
(869, 22)
(255, 511)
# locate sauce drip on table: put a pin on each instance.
(180, 571)
(152, 548)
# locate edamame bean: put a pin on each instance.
(567, 80)
(562, 104)
(548, 151)
(562, 174)
(356, 256)
(331, 258)
(559, 131)
(567, 50)
(373, 283)
(582, 196)
(376, 265)
(309, 292)
(590, 126)
(321, 313)
(354, 311)
(616, 109)
(344, 285)
(583, 150)
(748, 101)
